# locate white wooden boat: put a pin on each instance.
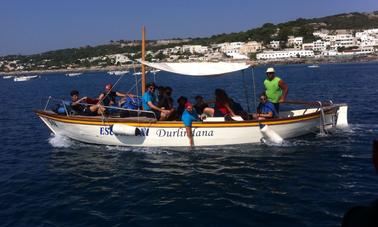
(313, 66)
(24, 78)
(147, 132)
(144, 130)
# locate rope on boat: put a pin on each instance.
(246, 92)
(47, 103)
(322, 119)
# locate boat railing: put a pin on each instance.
(62, 107)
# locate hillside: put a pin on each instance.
(300, 27)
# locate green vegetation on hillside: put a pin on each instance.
(78, 57)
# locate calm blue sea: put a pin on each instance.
(307, 181)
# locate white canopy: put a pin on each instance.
(198, 68)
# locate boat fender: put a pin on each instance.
(342, 116)
(125, 130)
(269, 134)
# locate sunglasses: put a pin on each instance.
(262, 99)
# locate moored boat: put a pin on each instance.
(24, 78)
(73, 74)
(118, 73)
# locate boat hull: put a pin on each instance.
(95, 130)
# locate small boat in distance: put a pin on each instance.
(313, 66)
(73, 74)
(155, 71)
(137, 73)
(118, 73)
(7, 77)
(24, 78)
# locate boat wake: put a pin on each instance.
(146, 150)
(59, 141)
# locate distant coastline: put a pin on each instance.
(328, 60)
(73, 70)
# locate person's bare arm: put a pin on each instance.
(79, 101)
(229, 109)
(121, 94)
(285, 90)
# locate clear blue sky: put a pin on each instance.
(34, 26)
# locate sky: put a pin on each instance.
(35, 26)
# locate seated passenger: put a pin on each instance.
(265, 109)
(165, 99)
(80, 105)
(108, 97)
(238, 109)
(200, 104)
(222, 105)
(149, 103)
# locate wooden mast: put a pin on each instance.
(143, 59)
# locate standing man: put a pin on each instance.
(275, 88)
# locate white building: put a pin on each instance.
(343, 40)
(359, 51)
(232, 50)
(295, 42)
(367, 38)
(308, 46)
(320, 45)
(251, 47)
(195, 49)
(274, 44)
(273, 55)
(119, 58)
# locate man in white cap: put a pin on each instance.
(275, 88)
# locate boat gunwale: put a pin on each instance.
(98, 120)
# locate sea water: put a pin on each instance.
(48, 180)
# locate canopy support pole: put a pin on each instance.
(143, 59)
(254, 89)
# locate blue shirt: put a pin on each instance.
(266, 108)
(188, 117)
(148, 97)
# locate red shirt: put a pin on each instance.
(222, 108)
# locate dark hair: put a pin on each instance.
(150, 84)
(74, 92)
(182, 98)
(221, 96)
(198, 97)
(263, 94)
